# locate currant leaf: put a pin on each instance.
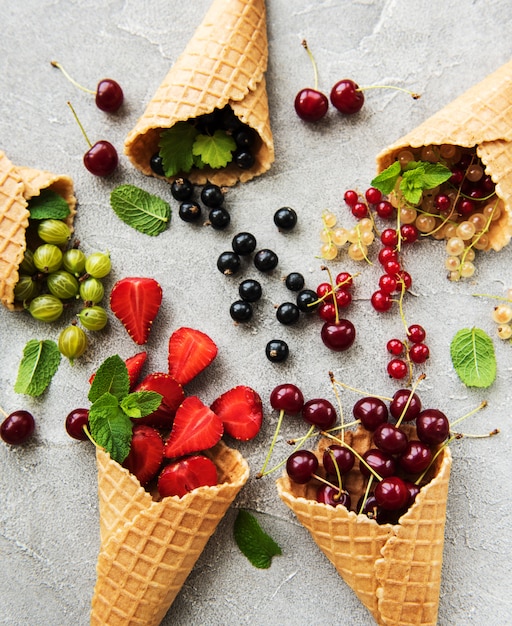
(253, 541)
(38, 365)
(176, 148)
(141, 210)
(473, 357)
(214, 150)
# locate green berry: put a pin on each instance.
(54, 231)
(92, 290)
(26, 288)
(98, 264)
(93, 317)
(47, 258)
(73, 261)
(62, 284)
(46, 308)
(27, 265)
(72, 342)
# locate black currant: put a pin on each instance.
(250, 290)
(189, 211)
(156, 164)
(228, 263)
(277, 350)
(244, 159)
(182, 189)
(265, 260)
(244, 243)
(219, 218)
(307, 300)
(285, 218)
(245, 137)
(241, 311)
(288, 313)
(212, 195)
(294, 281)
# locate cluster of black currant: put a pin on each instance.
(212, 197)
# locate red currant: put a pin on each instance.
(416, 333)
(385, 210)
(343, 298)
(344, 280)
(360, 210)
(409, 233)
(351, 197)
(373, 195)
(388, 283)
(419, 353)
(397, 369)
(381, 301)
(389, 237)
(395, 347)
(388, 253)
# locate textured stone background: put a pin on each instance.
(48, 509)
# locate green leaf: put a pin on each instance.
(110, 427)
(215, 150)
(253, 541)
(387, 179)
(176, 148)
(434, 174)
(141, 403)
(411, 189)
(141, 210)
(48, 205)
(38, 365)
(112, 377)
(473, 358)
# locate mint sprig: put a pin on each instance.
(141, 210)
(114, 407)
(40, 361)
(253, 541)
(473, 357)
(413, 180)
(48, 205)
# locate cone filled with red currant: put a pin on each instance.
(472, 137)
(20, 189)
(389, 551)
(209, 119)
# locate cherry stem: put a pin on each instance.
(488, 295)
(359, 391)
(482, 405)
(298, 444)
(261, 473)
(333, 289)
(310, 54)
(337, 469)
(71, 80)
(313, 433)
(89, 436)
(409, 399)
(3, 412)
(496, 431)
(354, 452)
(366, 494)
(340, 408)
(80, 124)
(413, 94)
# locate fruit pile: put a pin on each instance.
(502, 315)
(162, 432)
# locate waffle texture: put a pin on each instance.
(17, 186)
(223, 64)
(395, 570)
(481, 117)
(149, 547)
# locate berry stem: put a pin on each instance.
(359, 391)
(413, 94)
(298, 444)
(338, 473)
(354, 452)
(366, 494)
(262, 473)
(71, 80)
(482, 405)
(409, 399)
(3, 412)
(315, 69)
(80, 124)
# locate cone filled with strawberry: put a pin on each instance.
(165, 477)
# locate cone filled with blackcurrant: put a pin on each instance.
(472, 136)
(149, 546)
(214, 94)
(18, 186)
(391, 558)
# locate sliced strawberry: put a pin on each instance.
(190, 352)
(241, 412)
(196, 427)
(172, 396)
(180, 477)
(134, 365)
(135, 302)
(146, 453)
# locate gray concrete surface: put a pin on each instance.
(49, 533)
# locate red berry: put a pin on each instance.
(385, 209)
(343, 298)
(311, 105)
(404, 278)
(360, 210)
(388, 283)
(344, 280)
(323, 289)
(17, 428)
(391, 493)
(409, 233)
(388, 253)
(442, 202)
(419, 353)
(397, 369)
(301, 465)
(416, 333)
(381, 301)
(338, 336)
(109, 95)
(320, 413)
(347, 97)
(373, 195)
(416, 457)
(351, 197)
(395, 347)
(75, 422)
(287, 397)
(101, 159)
(389, 237)
(327, 311)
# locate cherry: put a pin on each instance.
(371, 412)
(301, 465)
(180, 477)
(338, 335)
(310, 103)
(382, 463)
(17, 427)
(432, 426)
(399, 402)
(390, 439)
(328, 494)
(75, 422)
(413, 490)
(101, 159)
(391, 493)
(320, 413)
(340, 456)
(347, 97)
(287, 397)
(416, 457)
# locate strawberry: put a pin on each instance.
(241, 412)
(146, 453)
(135, 302)
(172, 396)
(134, 365)
(196, 427)
(190, 352)
(180, 477)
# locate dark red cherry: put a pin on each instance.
(379, 461)
(432, 426)
(287, 397)
(391, 493)
(327, 494)
(301, 465)
(372, 412)
(340, 456)
(347, 97)
(388, 438)
(101, 159)
(17, 428)
(400, 401)
(338, 336)
(311, 105)
(109, 95)
(75, 422)
(320, 413)
(416, 457)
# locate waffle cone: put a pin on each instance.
(149, 547)
(223, 64)
(395, 570)
(481, 118)
(17, 186)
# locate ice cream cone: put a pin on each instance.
(17, 186)
(395, 569)
(482, 118)
(149, 547)
(223, 64)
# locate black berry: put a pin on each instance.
(244, 159)
(250, 290)
(288, 313)
(189, 211)
(244, 243)
(285, 218)
(228, 263)
(265, 260)
(212, 195)
(219, 218)
(241, 311)
(156, 164)
(307, 300)
(182, 189)
(294, 281)
(277, 350)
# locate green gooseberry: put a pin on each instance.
(46, 308)
(73, 261)
(93, 317)
(72, 342)
(48, 258)
(98, 264)
(26, 288)
(92, 290)
(62, 284)
(27, 265)
(54, 231)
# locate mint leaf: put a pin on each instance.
(141, 210)
(141, 403)
(48, 205)
(176, 148)
(434, 174)
(387, 179)
(215, 150)
(473, 357)
(253, 541)
(110, 427)
(112, 377)
(38, 365)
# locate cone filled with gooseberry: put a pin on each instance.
(394, 568)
